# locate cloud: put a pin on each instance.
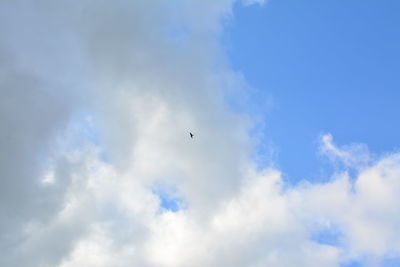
(365, 211)
(97, 101)
(352, 156)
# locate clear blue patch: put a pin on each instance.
(169, 199)
(330, 236)
(169, 203)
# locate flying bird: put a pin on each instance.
(191, 135)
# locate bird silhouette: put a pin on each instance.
(191, 135)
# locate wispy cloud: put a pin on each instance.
(351, 156)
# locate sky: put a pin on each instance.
(329, 66)
(294, 160)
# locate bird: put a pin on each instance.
(191, 135)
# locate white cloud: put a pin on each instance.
(365, 211)
(354, 155)
(80, 192)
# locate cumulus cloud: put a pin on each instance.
(97, 101)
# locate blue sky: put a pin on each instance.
(97, 99)
(329, 66)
